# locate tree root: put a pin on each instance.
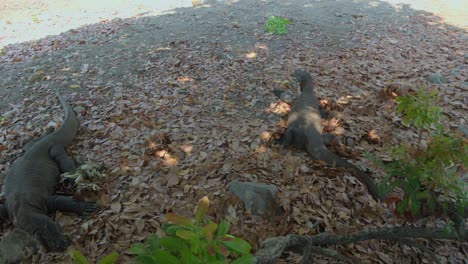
(306, 259)
(272, 248)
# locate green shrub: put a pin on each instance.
(429, 174)
(421, 111)
(193, 241)
(277, 25)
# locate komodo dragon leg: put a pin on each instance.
(3, 212)
(323, 112)
(69, 204)
(293, 136)
(297, 138)
(17, 246)
(329, 139)
(65, 162)
(60, 203)
(287, 138)
(44, 230)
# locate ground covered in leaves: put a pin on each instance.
(178, 105)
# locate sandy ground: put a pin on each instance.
(25, 20)
(453, 12)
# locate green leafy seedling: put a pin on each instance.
(35, 19)
(277, 25)
(195, 240)
(420, 110)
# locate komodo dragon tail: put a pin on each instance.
(323, 153)
(67, 131)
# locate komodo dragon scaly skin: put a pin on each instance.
(305, 130)
(31, 180)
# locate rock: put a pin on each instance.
(283, 95)
(79, 109)
(74, 69)
(181, 91)
(457, 70)
(37, 76)
(464, 129)
(84, 68)
(287, 97)
(17, 246)
(465, 57)
(258, 198)
(436, 78)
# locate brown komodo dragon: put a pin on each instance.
(305, 130)
(30, 185)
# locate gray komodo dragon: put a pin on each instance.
(31, 180)
(305, 130)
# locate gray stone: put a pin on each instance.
(37, 76)
(79, 109)
(181, 91)
(457, 70)
(287, 97)
(258, 198)
(436, 78)
(464, 129)
(17, 246)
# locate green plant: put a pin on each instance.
(193, 241)
(277, 25)
(421, 111)
(430, 174)
(35, 19)
(80, 259)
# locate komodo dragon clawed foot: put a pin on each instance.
(70, 204)
(3, 212)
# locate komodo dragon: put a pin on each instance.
(305, 130)
(31, 180)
